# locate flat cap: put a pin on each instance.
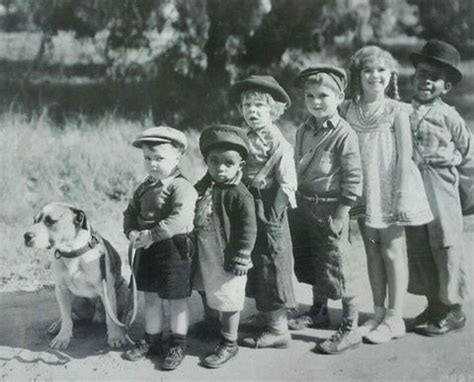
(224, 136)
(338, 75)
(266, 84)
(163, 134)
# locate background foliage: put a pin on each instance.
(184, 54)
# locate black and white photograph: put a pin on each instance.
(236, 190)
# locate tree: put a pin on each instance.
(195, 49)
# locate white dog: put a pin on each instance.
(82, 260)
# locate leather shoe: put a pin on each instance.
(347, 337)
(223, 353)
(315, 318)
(453, 321)
(267, 339)
(173, 359)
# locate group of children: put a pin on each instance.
(390, 165)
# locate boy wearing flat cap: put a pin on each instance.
(225, 229)
(441, 145)
(159, 219)
(271, 178)
(329, 182)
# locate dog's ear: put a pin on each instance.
(80, 219)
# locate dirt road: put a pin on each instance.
(24, 353)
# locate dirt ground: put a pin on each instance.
(25, 356)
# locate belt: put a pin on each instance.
(315, 198)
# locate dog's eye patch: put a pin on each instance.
(48, 220)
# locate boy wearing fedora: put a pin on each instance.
(225, 229)
(329, 182)
(159, 219)
(271, 178)
(441, 143)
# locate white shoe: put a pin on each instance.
(368, 326)
(389, 328)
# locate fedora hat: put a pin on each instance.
(266, 84)
(441, 53)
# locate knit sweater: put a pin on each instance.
(235, 208)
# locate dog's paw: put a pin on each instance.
(117, 340)
(54, 328)
(60, 342)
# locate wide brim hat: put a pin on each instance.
(441, 53)
(161, 134)
(266, 84)
(224, 136)
(338, 75)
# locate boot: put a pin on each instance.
(148, 346)
(316, 317)
(346, 337)
(224, 352)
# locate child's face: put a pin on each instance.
(375, 77)
(256, 111)
(161, 160)
(322, 101)
(430, 82)
(223, 164)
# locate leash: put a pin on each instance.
(130, 318)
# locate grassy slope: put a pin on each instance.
(91, 165)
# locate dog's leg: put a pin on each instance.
(115, 334)
(64, 298)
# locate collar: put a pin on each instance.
(417, 104)
(260, 131)
(149, 180)
(329, 123)
(92, 243)
(231, 182)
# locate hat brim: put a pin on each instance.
(140, 142)
(239, 87)
(455, 75)
(242, 150)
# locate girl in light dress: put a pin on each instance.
(393, 192)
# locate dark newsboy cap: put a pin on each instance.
(337, 74)
(265, 84)
(161, 134)
(443, 54)
(224, 136)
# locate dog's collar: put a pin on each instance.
(92, 243)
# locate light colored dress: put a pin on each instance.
(225, 292)
(378, 151)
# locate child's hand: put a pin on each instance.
(143, 239)
(400, 208)
(239, 271)
(236, 269)
(337, 223)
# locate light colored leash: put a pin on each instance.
(130, 318)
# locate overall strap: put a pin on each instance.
(267, 167)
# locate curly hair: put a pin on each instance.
(277, 108)
(363, 57)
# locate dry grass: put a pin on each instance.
(90, 164)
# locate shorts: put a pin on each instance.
(165, 267)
